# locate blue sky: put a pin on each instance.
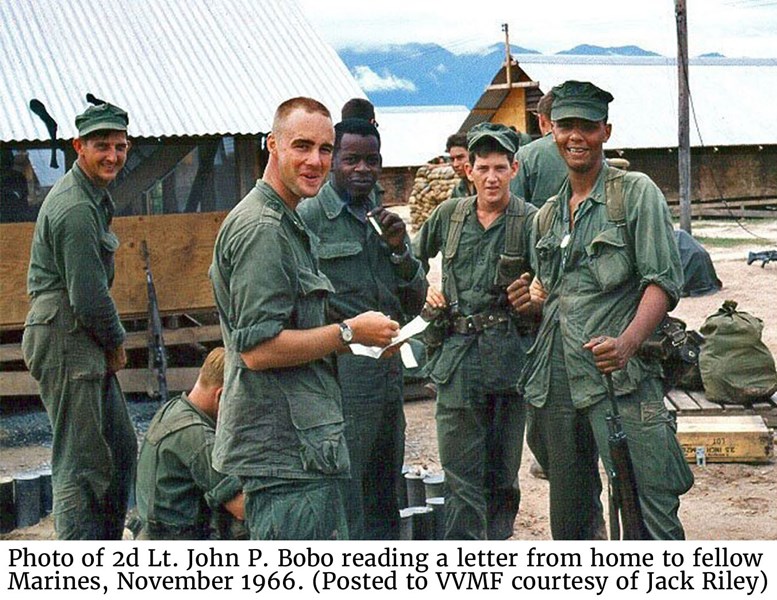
(732, 27)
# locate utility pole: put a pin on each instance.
(508, 58)
(683, 122)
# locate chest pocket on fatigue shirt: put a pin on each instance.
(339, 261)
(609, 258)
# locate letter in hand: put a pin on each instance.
(393, 228)
(373, 328)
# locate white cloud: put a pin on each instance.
(732, 27)
(370, 81)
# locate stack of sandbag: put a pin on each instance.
(433, 184)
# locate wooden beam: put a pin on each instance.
(514, 84)
(139, 339)
(137, 381)
(246, 154)
(150, 170)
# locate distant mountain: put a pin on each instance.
(712, 55)
(424, 74)
(428, 74)
(590, 50)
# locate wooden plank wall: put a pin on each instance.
(181, 249)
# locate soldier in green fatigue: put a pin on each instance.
(456, 147)
(73, 338)
(280, 427)
(180, 496)
(606, 255)
(484, 241)
(541, 170)
(369, 271)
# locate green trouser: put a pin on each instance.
(570, 436)
(480, 450)
(94, 449)
(375, 434)
(297, 510)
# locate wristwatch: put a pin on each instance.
(346, 333)
(399, 258)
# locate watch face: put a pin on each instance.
(346, 333)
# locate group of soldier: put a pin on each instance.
(555, 268)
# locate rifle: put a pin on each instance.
(157, 356)
(764, 256)
(624, 497)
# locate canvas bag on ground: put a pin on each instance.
(736, 366)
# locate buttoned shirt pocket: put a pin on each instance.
(339, 260)
(318, 423)
(548, 248)
(609, 260)
(310, 310)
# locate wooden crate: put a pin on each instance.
(744, 438)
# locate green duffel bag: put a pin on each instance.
(736, 366)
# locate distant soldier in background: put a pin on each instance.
(73, 338)
(456, 147)
(359, 108)
(541, 170)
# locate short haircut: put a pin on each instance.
(358, 108)
(457, 139)
(212, 370)
(357, 127)
(545, 104)
(486, 146)
(309, 105)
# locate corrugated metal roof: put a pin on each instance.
(179, 67)
(413, 135)
(732, 98)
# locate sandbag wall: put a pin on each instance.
(433, 184)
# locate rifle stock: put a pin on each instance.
(157, 357)
(625, 497)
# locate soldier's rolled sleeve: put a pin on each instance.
(656, 253)
(263, 287)
(87, 283)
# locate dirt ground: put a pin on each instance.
(727, 502)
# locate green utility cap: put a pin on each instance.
(503, 135)
(102, 116)
(580, 100)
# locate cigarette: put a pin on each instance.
(375, 225)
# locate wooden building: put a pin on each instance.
(200, 81)
(733, 137)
